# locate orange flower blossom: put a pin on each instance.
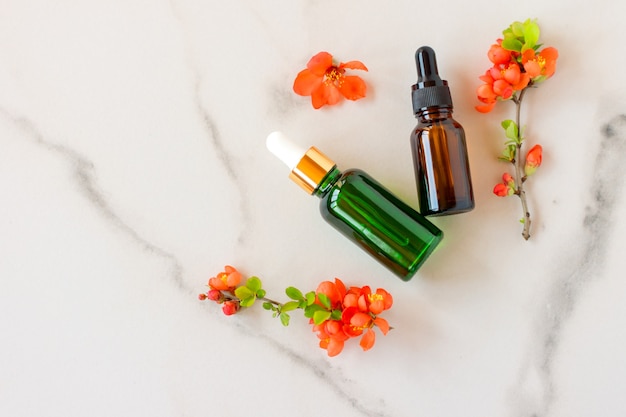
(359, 314)
(327, 82)
(226, 280)
(336, 312)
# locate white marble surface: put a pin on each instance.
(133, 167)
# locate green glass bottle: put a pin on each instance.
(361, 209)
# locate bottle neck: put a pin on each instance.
(327, 182)
(430, 114)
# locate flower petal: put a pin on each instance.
(334, 347)
(356, 65)
(532, 68)
(306, 82)
(234, 278)
(512, 74)
(503, 89)
(341, 287)
(353, 87)
(387, 298)
(329, 289)
(382, 324)
(368, 340)
(333, 96)
(217, 284)
(320, 63)
(319, 96)
(486, 94)
(524, 79)
(485, 108)
(550, 54)
(360, 320)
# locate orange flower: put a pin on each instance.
(335, 291)
(327, 83)
(374, 303)
(540, 66)
(501, 81)
(227, 280)
(331, 335)
(533, 160)
(357, 322)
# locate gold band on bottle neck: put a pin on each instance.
(311, 169)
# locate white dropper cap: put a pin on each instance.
(308, 167)
(284, 149)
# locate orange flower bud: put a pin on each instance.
(533, 160)
(498, 55)
(230, 307)
(506, 187)
(501, 190)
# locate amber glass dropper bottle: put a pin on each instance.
(442, 173)
(361, 209)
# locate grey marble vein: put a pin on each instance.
(326, 373)
(84, 172)
(211, 128)
(606, 189)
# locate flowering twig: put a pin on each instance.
(518, 64)
(337, 313)
(520, 179)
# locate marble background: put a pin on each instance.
(133, 167)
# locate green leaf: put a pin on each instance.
(268, 306)
(324, 300)
(243, 293)
(284, 319)
(517, 28)
(291, 305)
(247, 302)
(512, 44)
(310, 298)
(321, 316)
(511, 130)
(336, 315)
(254, 284)
(508, 154)
(294, 293)
(531, 34)
(261, 293)
(310, 310)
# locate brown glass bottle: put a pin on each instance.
(442, 173)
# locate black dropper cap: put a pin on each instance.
(430, 90)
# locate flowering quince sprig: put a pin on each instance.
(519, 63)
(327, 83)
(337, 313)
